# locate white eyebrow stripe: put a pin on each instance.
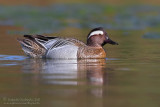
(95, 33)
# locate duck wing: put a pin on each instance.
(34, 46)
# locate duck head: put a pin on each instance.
(99, 37)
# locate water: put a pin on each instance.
(128, 77)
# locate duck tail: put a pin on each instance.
(31, 47)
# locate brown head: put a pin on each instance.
(98, 37)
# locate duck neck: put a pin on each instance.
(92, 44)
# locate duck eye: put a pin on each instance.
(107, 37)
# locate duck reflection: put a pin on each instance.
(69, 72)
(55, 70)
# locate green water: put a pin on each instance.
(128, 77)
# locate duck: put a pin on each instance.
(40, 46)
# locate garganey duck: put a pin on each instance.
(38, 46)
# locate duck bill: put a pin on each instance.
(110, 41)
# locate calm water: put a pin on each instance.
(128, 77)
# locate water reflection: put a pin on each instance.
(86, 72)
(67, 71)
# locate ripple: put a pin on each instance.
(111, 58)
(10, 64)
(11, 58)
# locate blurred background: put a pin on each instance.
(64, 17)
(128, 77)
